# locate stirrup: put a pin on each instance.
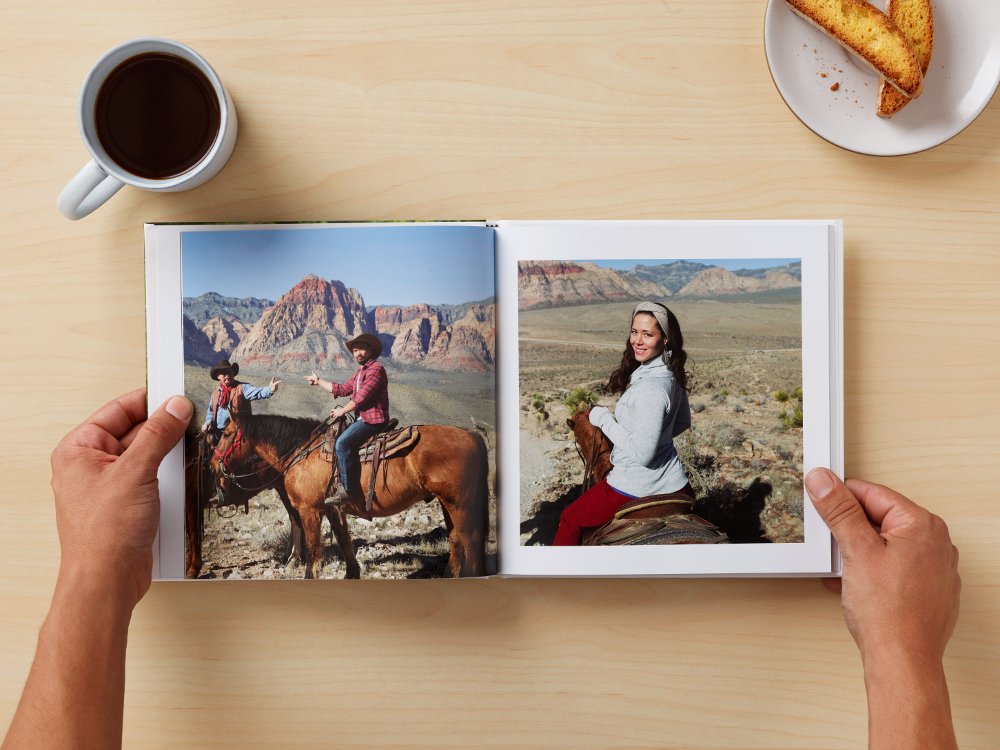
(340, 497)
(217, 500)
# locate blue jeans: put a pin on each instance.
(348, 443)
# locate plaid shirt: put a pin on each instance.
(369, 390)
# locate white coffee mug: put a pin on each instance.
(103, 176)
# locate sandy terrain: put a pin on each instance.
(744, 367)
(413, 544)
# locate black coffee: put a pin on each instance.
(157, 115)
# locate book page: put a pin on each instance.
(753, 316)
(279, 332)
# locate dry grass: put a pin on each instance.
(412, 544)
(740, 354)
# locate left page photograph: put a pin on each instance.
(344, 383)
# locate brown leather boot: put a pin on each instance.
(339, 497)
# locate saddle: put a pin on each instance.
(388, 442)
(657, 519)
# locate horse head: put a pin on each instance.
(229, 453)
(592, 445)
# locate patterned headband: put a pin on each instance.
(655, 309)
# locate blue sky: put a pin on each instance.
(389, 265)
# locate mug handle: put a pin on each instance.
(91, 187)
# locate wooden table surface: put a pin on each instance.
(395, 109)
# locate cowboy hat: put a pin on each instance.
(369, 341)
(223, 366)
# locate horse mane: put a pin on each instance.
(284, 433)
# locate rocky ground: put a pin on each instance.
(413, 544)
(254, 545)
(743, 454)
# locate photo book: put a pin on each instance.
(512, 398)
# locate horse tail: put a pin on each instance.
(482, 497)
(483, 430)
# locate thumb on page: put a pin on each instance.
(840, 510)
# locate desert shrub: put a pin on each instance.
(537, 402)
(738, 409)
(699, 467)
(782, 396)
(277, 542)
(719, 398)
(579, 398)
(797, 394)
(698, 408)
(725, 392)
(729, 435)
(792, 418)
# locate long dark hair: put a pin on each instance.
(619, 379)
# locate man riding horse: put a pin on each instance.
(231, 397)
(368, 389)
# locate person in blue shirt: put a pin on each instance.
(221, 402)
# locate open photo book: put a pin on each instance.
(513, 398)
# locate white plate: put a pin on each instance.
(961, 79)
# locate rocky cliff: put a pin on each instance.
(718, 282)
(308, 327)
(305, 329)
(561, 283)
(418, 334)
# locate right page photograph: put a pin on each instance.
(664, 389)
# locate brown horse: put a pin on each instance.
(659, 519)
(447, 463)
(244, 479)
(593, 446)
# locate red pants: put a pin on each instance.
(593, 508)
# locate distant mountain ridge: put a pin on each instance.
(718, 282)
(247, 310)
(307, 329)
(561, 283)
(565, 283)
(673, 276)
(792, 269)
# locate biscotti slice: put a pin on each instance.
(868, 32)
(915, 18)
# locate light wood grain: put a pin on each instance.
(432, 110)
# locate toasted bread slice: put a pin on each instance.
(915, 18)
(865, 30)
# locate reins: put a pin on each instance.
(303, 452)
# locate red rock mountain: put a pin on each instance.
(418, 334)
(306, 329)
(559, 283)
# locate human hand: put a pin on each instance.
(900, 586)
(274, 385)
(106, 492)
(598, 415)
(312, 378)
(337, 412)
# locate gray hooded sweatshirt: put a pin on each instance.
(653, 410)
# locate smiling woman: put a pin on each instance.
(651, 412)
